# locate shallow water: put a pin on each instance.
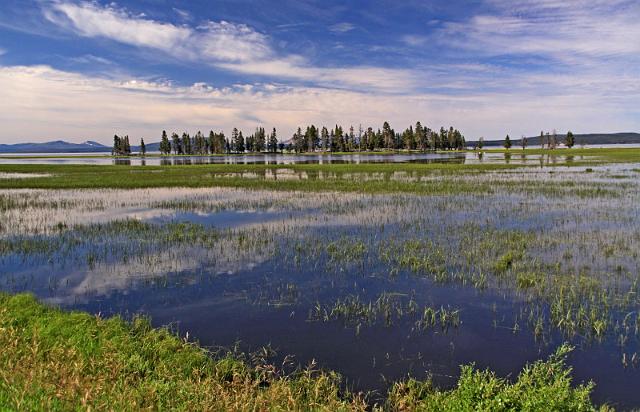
(288, 159)
(252, 267)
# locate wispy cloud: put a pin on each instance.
(183, 14)
(414, 40)
(563, 30)
(341, 27)
(231, 46)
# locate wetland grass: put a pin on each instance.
(552, 250)
(59, 360)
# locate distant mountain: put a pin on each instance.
(58, 146)
(590, 138)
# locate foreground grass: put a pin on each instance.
(56, 360)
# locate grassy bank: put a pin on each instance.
(58, 360)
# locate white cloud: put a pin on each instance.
(231, 46)
(40, 103)
(341, 27)
(566, 31)
(414, 40)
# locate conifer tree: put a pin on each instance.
(570, 140)
(273, 141)
(507, 142)
(176, 143)
(165, 145)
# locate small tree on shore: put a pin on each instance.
(143, 148)
(273, 141)
(523, 142)
(570, 140)
(165, 145)
(507, 142)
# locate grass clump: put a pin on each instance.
(541, 386)
(55, 360)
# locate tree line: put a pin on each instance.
(312, 139)
(550, 140)
(339, 140)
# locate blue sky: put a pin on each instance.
(78, 70)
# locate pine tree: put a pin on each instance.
(176, 143)
(387, 136)
(165, 145)
(408, 139)
(507, 142)
(260, 140)
(125, 147)
(186, 144)
(273, 141)
(326, 141)
(213, 142)
(143, 148)
(115, 151)
(240, 146)
(570, 141)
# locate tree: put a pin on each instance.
(125, 148)
(143, 148)
(480, 142)
(186, 144)
(523, 142)
(351, 141)
(298, 141)
(165, 146)
(554, 140)
(237, 141)
(388, 136)
(408, 140)
(259, 140)
(324, 135)
(570, 141)
(507, 142)
(273, 141)
(175, 142)
(199, 144)
(115, 151)
(240, 146)
(420, 135)
(541, 139)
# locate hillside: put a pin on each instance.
(590, 138)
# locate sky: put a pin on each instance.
(86, 70)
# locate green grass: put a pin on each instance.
(541, 386)
(57, 360)
(314, 177)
